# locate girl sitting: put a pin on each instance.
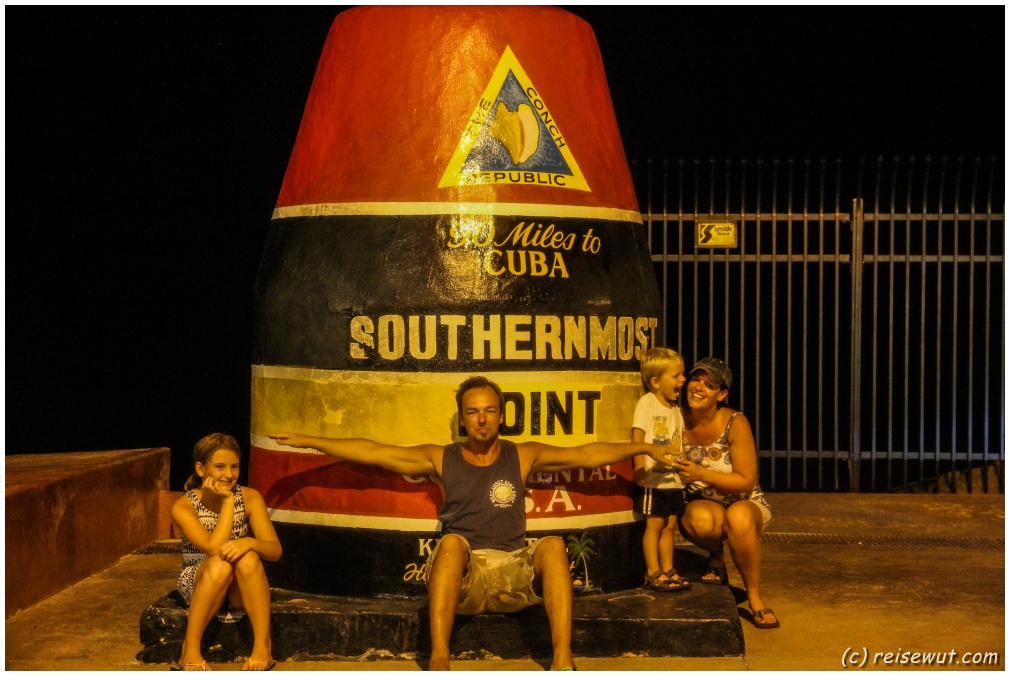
(226, 534)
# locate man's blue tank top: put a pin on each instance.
(485, 505)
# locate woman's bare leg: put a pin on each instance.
(703, 524)
(743, 526)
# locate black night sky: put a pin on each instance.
(146, 149)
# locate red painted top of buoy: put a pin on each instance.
(396, 88)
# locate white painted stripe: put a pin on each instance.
(354, 521)
(269, 444)
(413, 378)
(586, 521)
(432, 526)
(457, 208)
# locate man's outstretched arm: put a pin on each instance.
(547, 458)
(423, 460)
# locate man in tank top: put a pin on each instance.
(482, 562)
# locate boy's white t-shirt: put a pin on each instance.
(661, 426)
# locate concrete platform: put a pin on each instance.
(699, 622)
(70, 515)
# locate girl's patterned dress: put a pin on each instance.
(192, 556)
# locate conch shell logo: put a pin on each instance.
(518, 131)
(511, 137)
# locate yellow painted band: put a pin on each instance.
(420, 408)
(457, 208)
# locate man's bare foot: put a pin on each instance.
(438, 662)
(562, 662)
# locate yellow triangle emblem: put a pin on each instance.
(512, 139)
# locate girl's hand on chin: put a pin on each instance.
(219, 487)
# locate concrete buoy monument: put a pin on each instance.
(457, 202)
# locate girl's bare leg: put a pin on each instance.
(254, 596)
(213, 578)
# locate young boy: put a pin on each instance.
(659, 491)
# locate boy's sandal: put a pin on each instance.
(677, 583)
(715, 574)
(653, 582)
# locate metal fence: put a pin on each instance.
(861, 308)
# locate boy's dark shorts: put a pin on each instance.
(663, 502)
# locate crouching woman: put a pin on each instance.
(226, 536)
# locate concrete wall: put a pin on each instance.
(69, 515)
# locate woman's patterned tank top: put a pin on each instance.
(715, 456)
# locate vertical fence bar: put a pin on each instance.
(648, 198)
(773, 320)
(837, 313)
(988, 320)
(1002, 351)
(743, 282)
(680, 252)
(694, 225)
(939, 305)
(954, 381)
(726, 333)
(805, 287)
(890, 333)
(856, 340)
(875, 326)
(908, 313)
(711, 257)
(757, 311)
(789, 321)
(820, 326)
(666, 250)
(922, 326)
(835, 459)
(971, 323)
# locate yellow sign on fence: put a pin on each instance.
(716, 234)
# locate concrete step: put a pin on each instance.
(700, 622)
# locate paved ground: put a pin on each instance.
(881, 573)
